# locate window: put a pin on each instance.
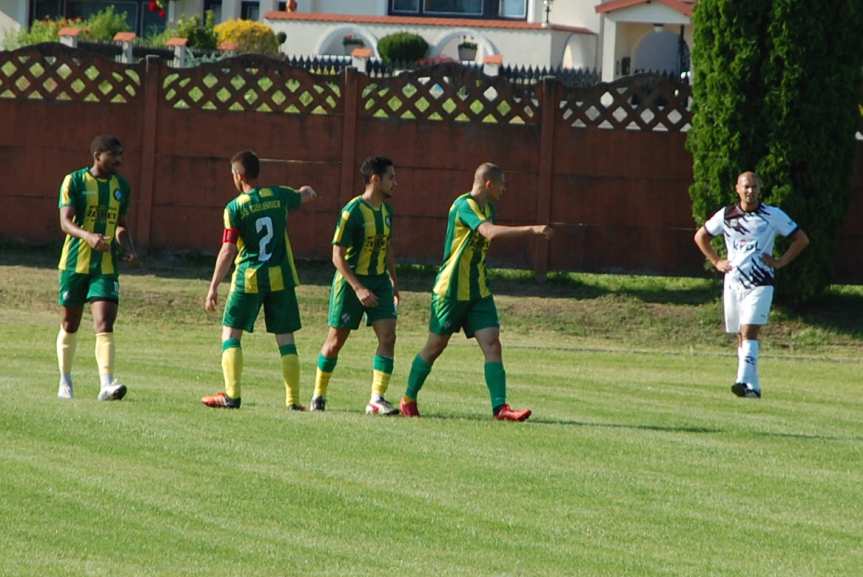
(484, 9)
(140, 20)
(86, 8)
(250, 10)
(513, 9)
(151, 22)
(215, 6)
(282, 7)
(42, 9)
(407, 6)
(454, 7)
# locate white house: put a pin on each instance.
(618, 37)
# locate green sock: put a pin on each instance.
(495, 380)
(420, 369)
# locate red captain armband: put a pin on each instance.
(230, 236)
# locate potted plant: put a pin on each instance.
(467, 50)
(351, 43)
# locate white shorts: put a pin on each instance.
(746, 306)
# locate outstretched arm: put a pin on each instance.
(495, 231)
(307, 193)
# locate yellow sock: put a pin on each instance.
(66, 344)
(382, 370)
(291, 374)
(105, 357)
(380, 383)
(232, 367)
(326, 366)
(322, 381)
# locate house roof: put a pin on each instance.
(414, 21)
(684, 7)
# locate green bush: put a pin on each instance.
(40, 31)
(771, 94)
(201, 34)
(402, 47)
(251, 37)
(100, 27)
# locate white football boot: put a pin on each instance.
(113, 392)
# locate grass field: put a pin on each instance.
(638, 460)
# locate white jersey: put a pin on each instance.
(748, 235)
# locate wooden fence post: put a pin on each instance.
(549, 101)
(153, 72)
(349, 134)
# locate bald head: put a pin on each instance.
(749, 190)
(487, 171)
(749, 175)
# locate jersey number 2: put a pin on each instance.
(264, 223)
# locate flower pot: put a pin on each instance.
(467, 52)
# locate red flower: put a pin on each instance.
(157, 6)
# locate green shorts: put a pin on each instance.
(345, 309)
(281, 312)
(448, 316)
(77, 289)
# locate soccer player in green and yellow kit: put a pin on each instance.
(364, 283)
(93, 205)
(256, 239)
(461, 297)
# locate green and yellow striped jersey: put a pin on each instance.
(98, 204)
(265, 261)
(462, 276)
(365, 232)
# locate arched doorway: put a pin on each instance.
(662, 51)
(334, 42)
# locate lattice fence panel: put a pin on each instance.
(52, 72)
(643, 102)
(449, 92)
(252, 83)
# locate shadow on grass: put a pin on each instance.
(574, 423)
(840, 310)
(654, 428)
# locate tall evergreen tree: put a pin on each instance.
(776, 88)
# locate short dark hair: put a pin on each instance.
(249, 161)
(374, 165)
(106, 143)
(487, 171)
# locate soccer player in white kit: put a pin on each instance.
(749, 228)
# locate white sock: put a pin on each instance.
(105, 379)
(66, 379)
(748, 364)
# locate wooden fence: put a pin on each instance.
(605, 164)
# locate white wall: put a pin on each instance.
(366, 7)
(572, 13)
(581, 51)
(13, 16)
(518, 47)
